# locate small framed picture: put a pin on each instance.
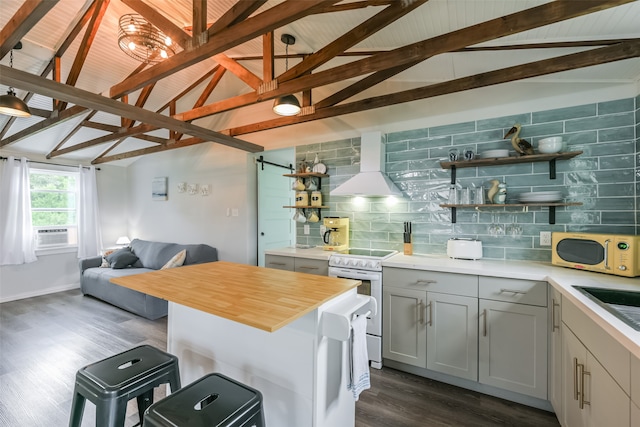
(159, 188)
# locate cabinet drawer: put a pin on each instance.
(279, 262)
(513, 290)
(312, 266)
(434, 281)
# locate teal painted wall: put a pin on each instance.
(605, 179)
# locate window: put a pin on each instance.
(54, 209)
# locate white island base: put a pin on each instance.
(301, 374)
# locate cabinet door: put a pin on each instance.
(513, 347)
(452, 335)
(404, 326)
(279, 262)
(555, 350)
(312, 266)
(608, 403)
(573, 353)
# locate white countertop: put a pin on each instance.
(563, 279)
(311, 253)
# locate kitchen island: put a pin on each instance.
(266, 328)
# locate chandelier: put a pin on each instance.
(141, 40)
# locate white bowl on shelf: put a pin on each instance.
(494, 154)
(550, 145)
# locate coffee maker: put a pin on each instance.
(336, 236)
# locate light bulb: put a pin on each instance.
(132, 46)
(132, 26)
(163, 54)
(168, 41)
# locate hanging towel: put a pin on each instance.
(359, 359)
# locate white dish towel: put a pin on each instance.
(359, 358)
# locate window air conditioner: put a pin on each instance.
(52, 237)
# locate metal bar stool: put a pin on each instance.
(112, 382)
(214, 400)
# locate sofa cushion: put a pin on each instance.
(176, 261)
(121, 258)
(156, 254)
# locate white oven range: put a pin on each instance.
(365, 265)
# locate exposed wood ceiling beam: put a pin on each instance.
(268, 66)
(85, 45)
(239, 33)
(603, 55)
(22, 21)
(351, 38)
(414, 53)
(26, 81)
(75, 130)
(355, 5)
(238, 12)
(149, 150)
(199, 17)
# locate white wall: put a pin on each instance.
(58, 271)
(185, 218)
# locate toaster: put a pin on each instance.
(464, 248)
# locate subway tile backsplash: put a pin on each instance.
(605, 179)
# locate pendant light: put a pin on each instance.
(287, 105)
(10, 104)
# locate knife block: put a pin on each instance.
(408, 248)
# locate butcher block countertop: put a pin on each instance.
(264, 298)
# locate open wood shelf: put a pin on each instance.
(497, 161)
(550, 205)
(307, 175)
(307, 207)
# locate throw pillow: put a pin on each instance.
(105, 253)
(121, 258)
(176, 261)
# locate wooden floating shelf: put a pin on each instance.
(496, 161)
(507, 205)
(307, 175)
(551, 206)
(307, 207)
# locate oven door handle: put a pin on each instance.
(354, 274)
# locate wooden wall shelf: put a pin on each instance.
(551, 206)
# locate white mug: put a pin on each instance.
(300, 217)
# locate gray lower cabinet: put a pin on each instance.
(485, 329)
(513, 335)
(555, 351)
(593, 395)
(319, 267)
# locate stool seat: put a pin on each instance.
(112, 382)
(214, 400)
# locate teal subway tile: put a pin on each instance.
(616, 134)
(342, 143)
(453, 129)
(581, 137)
(605, 229)
(407, 135)
(564, 113)
(621, 218)
(617, 106)
(408, 155)
(429, 163)
(540, 255)
(478, 137)
(500, 171)
(542, 129)
(605, 177)
(600, 122)
(578, 217)
(504, 122)
(615, 204)
(400, 167)
(617, 162)
(608, 148)
(429, 142)
(391, 147)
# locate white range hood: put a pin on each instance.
(371, 180)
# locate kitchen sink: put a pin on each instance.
(625, 305)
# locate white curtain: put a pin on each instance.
(17, 245)
(89, 234)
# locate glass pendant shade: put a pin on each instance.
(11, 105)
(287, 105)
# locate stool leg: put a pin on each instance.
(174, 379)
(111, 413)
(144, 401)
(77, 408)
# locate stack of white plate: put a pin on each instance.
(494, 154)
(540, 197)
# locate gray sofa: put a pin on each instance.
(94, 280)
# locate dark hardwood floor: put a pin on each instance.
(45, 340)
